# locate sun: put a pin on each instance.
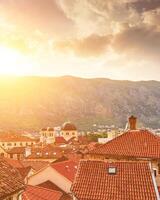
(12, 62)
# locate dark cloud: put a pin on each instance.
(144, 5)
(91, 46)
(141, 42)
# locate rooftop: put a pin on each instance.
(126, 180)
(40, 193)
(36, 165)
(10, 180)
(133, 143)
(66, 168)
(68, 126)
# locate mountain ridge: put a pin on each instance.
(30, 103)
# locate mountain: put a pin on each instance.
(30, 103)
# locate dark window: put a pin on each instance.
(67, 133)
(158, 168)
(155, 172)
(2, 155)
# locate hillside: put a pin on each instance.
(29, 103)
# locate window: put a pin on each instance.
(67, 133)
(158, 168)
(21, 144)
(112, 170)
(15, 144)
(18, 156)
(155, 172)
(2, 155)
(9, 144)
(11, 155)
(73, 133)
(3, 144)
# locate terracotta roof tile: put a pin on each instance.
(60, 140)
(10, 180)
(16, 150)
(24, 171)
(14, 163)
(66, 168)
(135, 143)
(36, 165)
(131, 181)
(40, 193)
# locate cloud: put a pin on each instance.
(139, 42)
(91, 46)
(43, 15)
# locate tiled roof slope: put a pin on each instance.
(14, 163)
(10, 180)
(39, 193)
(131, 181)
(66, 168)
(36, 165)
(133, 143)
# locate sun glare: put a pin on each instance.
(12, 62)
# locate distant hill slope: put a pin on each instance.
(29, 103)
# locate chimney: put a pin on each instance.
(132, 122)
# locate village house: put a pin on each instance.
(103, 180)
(47, 135)
(9, 141)
(60, 174)
(11, 182)
(133, 145)
(16, 153)
(3, 153)
(69, 131)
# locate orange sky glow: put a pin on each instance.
(117, 39)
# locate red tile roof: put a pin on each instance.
(131, 181)
(10, 180)
(36, 165)
(14, 163)
(47, 152)
(40, 193)
(24, 171)
(16, 150)
(50, 185)
(60, 140)
(135, 143)
(67, 168)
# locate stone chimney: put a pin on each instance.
(132, 122)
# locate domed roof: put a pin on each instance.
(67, 126)
(50, 129)
(43, 129)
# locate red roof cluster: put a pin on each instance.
(36, 165)
(40, 193)
(132, 180)
(66, 168)
(133, 143)
(60, 140)
(10, 180)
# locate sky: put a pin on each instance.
(117, 39)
